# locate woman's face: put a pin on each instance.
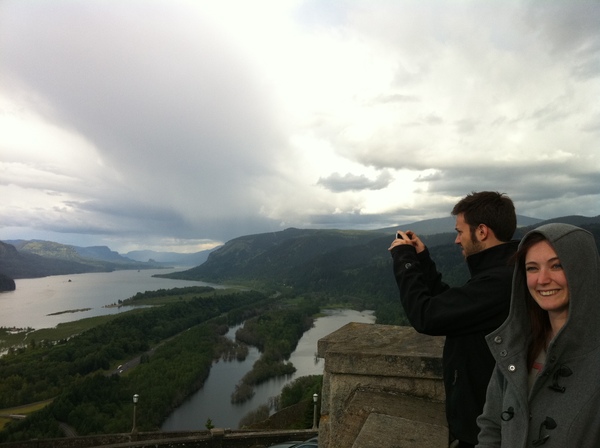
(546, 279)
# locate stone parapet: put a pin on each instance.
(382, 386)
(216, 438)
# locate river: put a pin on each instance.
(213, 400)
(36, 301)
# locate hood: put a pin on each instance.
(578, 255)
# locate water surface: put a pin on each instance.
(35, 300)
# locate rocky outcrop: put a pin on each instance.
(6, 283)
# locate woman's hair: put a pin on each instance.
(538, 318)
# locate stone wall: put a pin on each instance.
(216, 438)
(382, 387)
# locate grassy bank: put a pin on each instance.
(20, 410)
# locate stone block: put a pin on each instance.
(380, 374)
(396, 432)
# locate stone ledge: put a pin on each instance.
(177, 439)
(380, 429)
(383, 350)
(382, 386)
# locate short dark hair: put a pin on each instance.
(495, 210)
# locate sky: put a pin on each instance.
(177, 125)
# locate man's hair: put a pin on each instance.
(495, 210)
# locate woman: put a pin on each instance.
(545, 389)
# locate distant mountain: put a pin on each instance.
(15, 264)
(30, 259)
(102, 253)
(171, 258)
(446, 224)
(67, 252)
(576, 220)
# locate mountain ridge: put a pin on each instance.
(446, 224)
(337, 263)
(38, 258)
(259, 256)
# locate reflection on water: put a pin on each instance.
(213, 400)
(42, 302)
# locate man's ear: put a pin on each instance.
(483, 233)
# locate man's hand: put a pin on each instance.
(408, 238)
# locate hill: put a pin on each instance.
(101, 253)
(30, 259)
(339, 263)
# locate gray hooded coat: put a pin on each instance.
(562, 410)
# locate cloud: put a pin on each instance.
(351, 182)
(138, 124)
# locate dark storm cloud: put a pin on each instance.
(351, 182)
(566, 26)
(178, 118)
(539, 188)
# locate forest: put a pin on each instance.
(174, 344)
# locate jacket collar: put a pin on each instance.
(499, 255)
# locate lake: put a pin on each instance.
(36, 299)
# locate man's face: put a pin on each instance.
(465, 238)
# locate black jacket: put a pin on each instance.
(465, 315)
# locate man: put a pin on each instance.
(485, 223)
